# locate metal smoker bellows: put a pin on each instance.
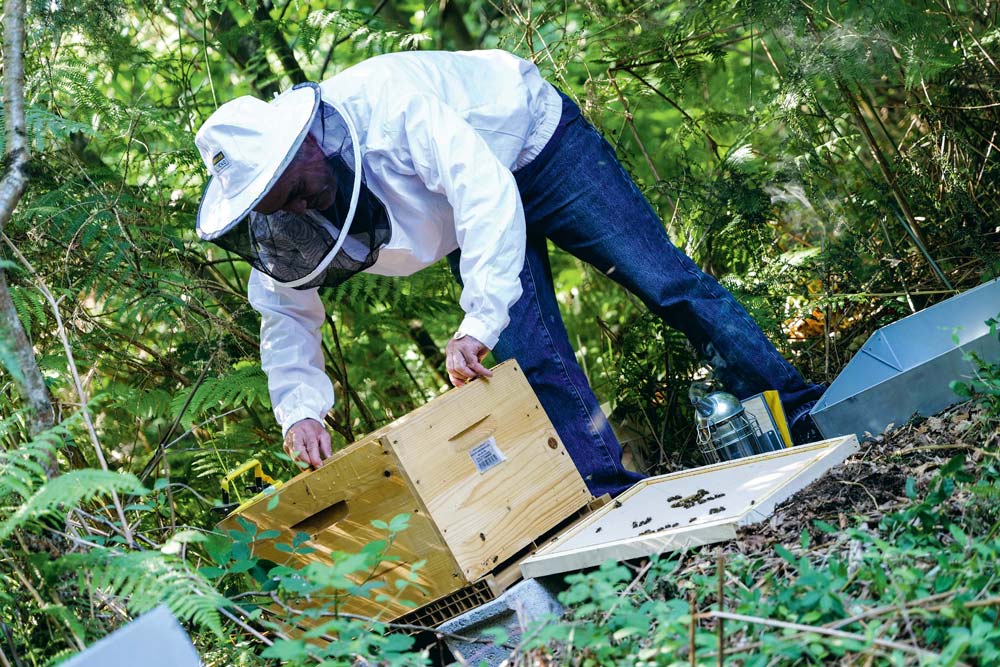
(726, 431)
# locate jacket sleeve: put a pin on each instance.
(291, 352)
(452, 159)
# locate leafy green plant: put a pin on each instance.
(310, 597)
(817, 158)
(985, 386)
(148, 578)
(926, 567)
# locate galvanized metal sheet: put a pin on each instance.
(905, 368)
(155, 639)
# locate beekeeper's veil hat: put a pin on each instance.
(247, 144)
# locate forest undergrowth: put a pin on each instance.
(889, 559)
(886, 560)
(835, 166)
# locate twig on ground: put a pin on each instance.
(721, 599)
(876, 612)
(920, 604)
(865, 488)
(692, 647)
(628, 589)
(934, 448)
(829, 632)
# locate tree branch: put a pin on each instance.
(77, 382)
(26, 374)
(713, 145)
(280, 45)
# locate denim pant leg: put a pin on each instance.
(582, 198)
(537, 339)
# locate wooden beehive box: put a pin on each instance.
(480, 470)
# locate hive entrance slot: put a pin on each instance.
(474, 434)
(322, 519)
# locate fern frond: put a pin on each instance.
(43, 125)
(22, 470)
(245, 386)
(77, 84)
(12, 423)
(206, 465)
(31, 308)
(149, 578)
(69, 490)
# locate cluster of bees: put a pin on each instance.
(656, 530)
(699, 497)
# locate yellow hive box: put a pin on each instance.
(480, 470)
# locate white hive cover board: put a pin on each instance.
(689, 508)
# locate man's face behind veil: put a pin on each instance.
(307, 183)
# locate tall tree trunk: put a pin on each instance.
(452, 24)
(280, 45)
(17, 352)
(431, 351)
(243, 52)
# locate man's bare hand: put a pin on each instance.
(464, 360)
(308, 441)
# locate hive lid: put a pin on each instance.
(689, 508)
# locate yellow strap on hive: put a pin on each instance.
(258, 473)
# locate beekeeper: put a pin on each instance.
(408, 158)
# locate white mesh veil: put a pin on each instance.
(318, 248)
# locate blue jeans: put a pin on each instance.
(577, 194)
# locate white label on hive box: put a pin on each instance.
(487, 455)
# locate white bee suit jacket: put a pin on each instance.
(440, 134)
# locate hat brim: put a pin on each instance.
(217, 214)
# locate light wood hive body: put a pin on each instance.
(463, 522)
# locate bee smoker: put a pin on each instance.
(726, 431)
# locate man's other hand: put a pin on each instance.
(308, 441)
(464, 360)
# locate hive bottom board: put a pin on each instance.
(488, 589)
(451, 606)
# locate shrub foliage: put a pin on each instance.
(835, 165)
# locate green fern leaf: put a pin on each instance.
(70, 490)
(150, 578)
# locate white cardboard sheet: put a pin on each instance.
(689, 508)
